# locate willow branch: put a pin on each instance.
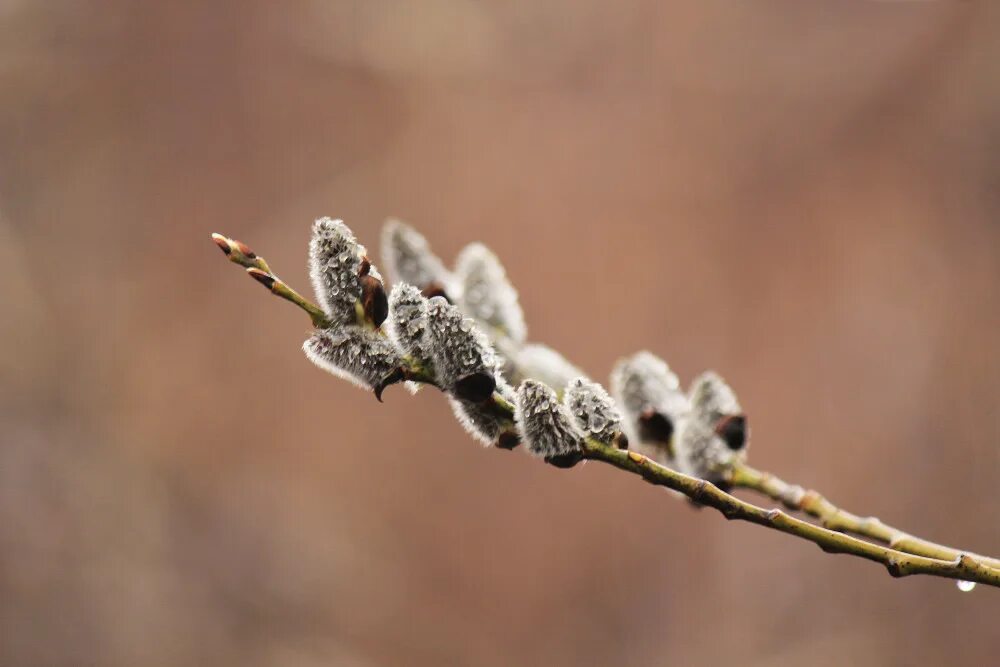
(934, 560)
(812, 503)
(258, 269)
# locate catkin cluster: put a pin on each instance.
(463, 330)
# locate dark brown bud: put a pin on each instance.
(373, 299)
(733, 431)
(508, 440)
(620, 441)
(263, 277)
(656, 427)
(223, 243)
(476, 388)
(435, 289)
(567, 460)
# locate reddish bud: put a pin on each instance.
(223, 243)
(263, 277)
(245, 249)
(373, 299)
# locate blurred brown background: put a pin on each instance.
(803, 196)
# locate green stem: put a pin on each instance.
(257, 268)
(899, 564)
(279, 288)
(810, 502)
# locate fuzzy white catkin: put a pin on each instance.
(546, 427)
(643, 383)
(534, 361)
(700, 450)
(354, 353)
(458, 346)
(408, 258)
(487, 294)
(407, 323)
(593, 410)
(712, 397)
(480, 420)
(334, 263)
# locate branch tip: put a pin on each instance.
(223, 243)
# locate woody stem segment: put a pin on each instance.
(810, 502)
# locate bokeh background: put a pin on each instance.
(803, 196)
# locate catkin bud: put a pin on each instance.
(487, 294)
(546, 427)
(484, 421)
(713, 437)
(334, 264)
(343, 277)
(354, 353)
(649, 396)
(712, 397)
(407, 324)
(408, 259)
(463, 358)
(535, 361)
(594, 412)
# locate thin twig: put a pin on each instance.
(810, 502)
(899, 564)
(257, 268)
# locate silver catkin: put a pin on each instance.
(546, 427)
(700, 449)
(481, 420)
(712, 397)
(458, 347)
(407, 323)
(534, 361)
(354, 353)
(645, 381)
(641, 384)
(487, 294)
(408, 258)
(593, 410)
(334, 264)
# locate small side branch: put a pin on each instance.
(257, 268)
